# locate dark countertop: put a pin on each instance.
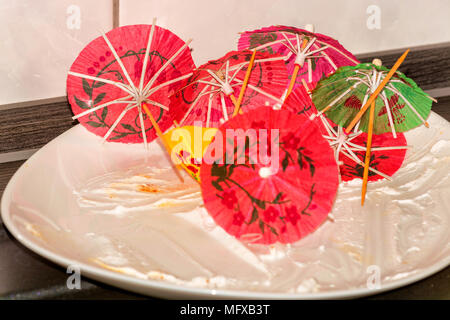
(25, 275)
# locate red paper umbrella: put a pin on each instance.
(314, 54)
(349, 150)
(282, 199)
(207, 96)
(106, 85)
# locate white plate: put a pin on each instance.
(75, 202)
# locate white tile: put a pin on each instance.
(214, 25)
(39, 41)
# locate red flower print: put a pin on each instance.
(291, 215)
(238, 218)
(395, 107)
(353, 102)
(271, 214)
(229, 199)
(291, 141)
(91, 70)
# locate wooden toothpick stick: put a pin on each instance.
(377, 91)
(369, 146)
(237, 106)
(163, 140)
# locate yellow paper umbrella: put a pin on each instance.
(187, 146)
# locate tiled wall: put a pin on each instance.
(361, 25)
(40, 39)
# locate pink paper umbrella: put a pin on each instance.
(278, 183)
(315, 54)
(207, 96)
(106, 85)
(387, 154)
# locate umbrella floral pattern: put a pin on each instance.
(320, 56)
(117, 72)
(401, 105)
(206, 96)
(349, 150)
(283, 201)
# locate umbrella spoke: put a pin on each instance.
(310, 70)
(408, 104)
(390, 148)
(144, 66)
(119, 61)
(328, 126)
(122, 114)
(389, 114)
(81, 114)
(319, 49)
(261, 91)
(236, 73)
(193, 105)
(224, 107)
(165, 65)
(119, 85)
(329, 60)
(214, 84)
(290, 45)
(310, 43)
(157, 104)
(208, 115)
(156, 88)
(338, 98)
(141, 120)
(370, 168)
(366, 96)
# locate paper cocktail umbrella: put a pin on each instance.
(187, 145)
(396, 103)
(399, 107)
(115, 74)
(207, 96)
(309, 56)
(281, 197)
(388, 152)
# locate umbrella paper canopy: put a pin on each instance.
(205, 95)
(320, 56)
(387, 155)
(188, 144)
(282, 199)
(400, 106)
(106, 85)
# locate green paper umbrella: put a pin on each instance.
(401, 105)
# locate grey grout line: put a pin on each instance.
(116, 13)
(17, 155)
(32, 103)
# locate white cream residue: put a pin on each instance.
(145, 223)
